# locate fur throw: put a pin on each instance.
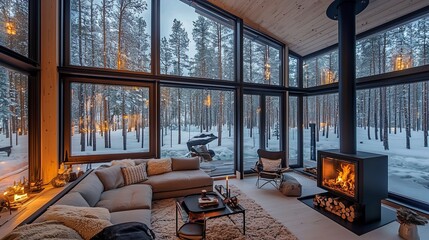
(87, 221)
(44, 230)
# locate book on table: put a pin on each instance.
(208, 201)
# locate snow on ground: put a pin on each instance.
(14, 167)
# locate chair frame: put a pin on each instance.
(275, 178)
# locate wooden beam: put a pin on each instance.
(49, 89)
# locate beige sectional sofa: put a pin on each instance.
(132, 203)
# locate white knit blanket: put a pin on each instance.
(87, 221)
(52, 230)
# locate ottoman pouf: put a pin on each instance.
(290, 186)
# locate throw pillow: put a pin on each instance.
(179, 164)
(134, 174)
(271, 165)
(158, 166)
(124, 162)
(111, 177)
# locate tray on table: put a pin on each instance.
(191, 203)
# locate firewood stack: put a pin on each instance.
(337, 206)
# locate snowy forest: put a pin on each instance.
(13, 94)
(109, 118)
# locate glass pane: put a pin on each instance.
(189, 117)
(293, 130)
(321, 70)
(261, 62)
(14, 22)
(251, 131)
(13, 127)
(272, 123)
(107, 119)
(111, 34)
(394, 121)
(321, 113)
(195, 42)
(402, 47)
(293, 72)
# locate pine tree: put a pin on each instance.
(165, 56)
(179, 43)
(201, 33)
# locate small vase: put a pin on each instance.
(408, 231)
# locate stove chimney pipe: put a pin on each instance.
(344, 11)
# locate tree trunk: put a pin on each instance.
(375, 115)
(82, 129)
(369, 115)
(385, 124)
(93, 123)
(124, 119)
(179, 117)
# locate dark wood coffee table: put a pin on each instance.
(189, 202)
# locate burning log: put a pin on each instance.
(335, 205)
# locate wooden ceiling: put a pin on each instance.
(303, 25)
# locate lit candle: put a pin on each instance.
(227, 184)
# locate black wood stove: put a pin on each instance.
(360, 178)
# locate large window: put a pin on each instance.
(320, 113)
(404, 46)
(262, 60)
(186, 114)
(394, 121)
(13, 127)
(110, 34)
(320, 70)
(398, 48)
(14, 25)
(195, 41)
(108, 119)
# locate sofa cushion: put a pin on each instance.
(90, 188)
(136, 196)
(137, 215)
(73, 199)
(111, 177)
(158, 166)
(176, 180)
(140, 161)
(134, 174)
(179, 164)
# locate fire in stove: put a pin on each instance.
(339, 176)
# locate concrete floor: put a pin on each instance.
(303, 221)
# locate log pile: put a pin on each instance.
(340, 207)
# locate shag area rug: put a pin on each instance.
(259, 224)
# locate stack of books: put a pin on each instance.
(208, 201)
